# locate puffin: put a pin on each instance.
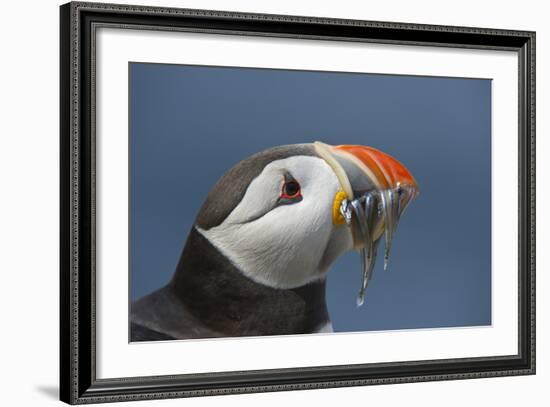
(256, 259)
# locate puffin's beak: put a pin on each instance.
(362, 168)
(365, 170)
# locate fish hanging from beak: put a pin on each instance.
(369, 210)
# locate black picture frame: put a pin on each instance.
(78, 382)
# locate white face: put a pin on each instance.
(280, 242)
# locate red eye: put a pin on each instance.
(291, 190)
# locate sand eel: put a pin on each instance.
(257, 256)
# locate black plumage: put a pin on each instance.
(209, 297)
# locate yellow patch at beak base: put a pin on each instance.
(337, 217)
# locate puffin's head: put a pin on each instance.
(279, 216)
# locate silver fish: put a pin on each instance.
(368, 210)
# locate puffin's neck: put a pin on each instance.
(222, 298)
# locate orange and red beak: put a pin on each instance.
(352, 163)
(389, 172)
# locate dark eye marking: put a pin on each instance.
(291, 191)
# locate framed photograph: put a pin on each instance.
(255, 203)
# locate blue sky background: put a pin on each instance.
(189, 124)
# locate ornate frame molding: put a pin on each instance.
(78, 380)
